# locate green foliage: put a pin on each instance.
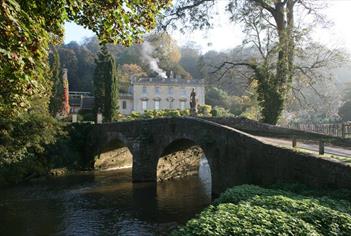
(244, 219)
(80, 63)
(106, 85)
(135, 115)
(220, 98)
(151, 114)
(245, 192)
(252, 210)
(324, 219)
(269, 95)
(220, 112)
(22, 145)
(185, 112)
(345, 111)
(190, 55)
(28, 27)
(24, 43)
(172, 113)
(205, 110)
(112, 93)
(57, 93)
(68, 150)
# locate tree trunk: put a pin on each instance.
(282, 64)
(291, 41)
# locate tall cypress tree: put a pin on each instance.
(106, 85)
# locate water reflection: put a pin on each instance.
(102, 203)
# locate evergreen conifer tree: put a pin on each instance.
(106, 85)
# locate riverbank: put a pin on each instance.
(25, 156)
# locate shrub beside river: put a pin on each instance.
(34, 143)
(289, 210)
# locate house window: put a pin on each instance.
(144, 90)
(144, 105)
(183, 91)
(157, 105)
(124, 104)
(157, 90)
(171, 104)
(170, 90)
(182, 105)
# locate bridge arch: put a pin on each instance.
(181, 157)
(114, 152)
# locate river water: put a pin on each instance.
(102, 203)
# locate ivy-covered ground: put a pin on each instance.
(279, 210)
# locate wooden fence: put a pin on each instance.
(338, 129)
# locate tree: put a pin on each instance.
(106, 85)
(345, 111)
(129, 70)
(270, 29)
(126, 71)
(190, 55)
(28, 27)
(80, 62)
(233, 82)
(57, 88)
(166, 51)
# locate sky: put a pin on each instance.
(226, 35)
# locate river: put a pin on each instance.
(102, 203)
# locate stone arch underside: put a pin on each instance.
(180, 158)
(115, 153)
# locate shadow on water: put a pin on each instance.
(102, 203)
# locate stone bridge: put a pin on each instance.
(234, 157)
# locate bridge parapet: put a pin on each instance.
(262, 129)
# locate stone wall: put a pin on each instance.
(179, 164)
(115, 159)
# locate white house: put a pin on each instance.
(149, 94)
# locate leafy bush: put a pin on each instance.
(253, 210)
(135, 115)
(244, 219)
(185, 112)
(205, 110)
(68, 150)
(173, 113)
(220, 112)
(22, 145)
(148, 114)
(246, 192)
(324, 219)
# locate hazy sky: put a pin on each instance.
(227, 35)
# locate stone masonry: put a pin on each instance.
(234, 157)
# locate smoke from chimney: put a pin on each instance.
(146, 53)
